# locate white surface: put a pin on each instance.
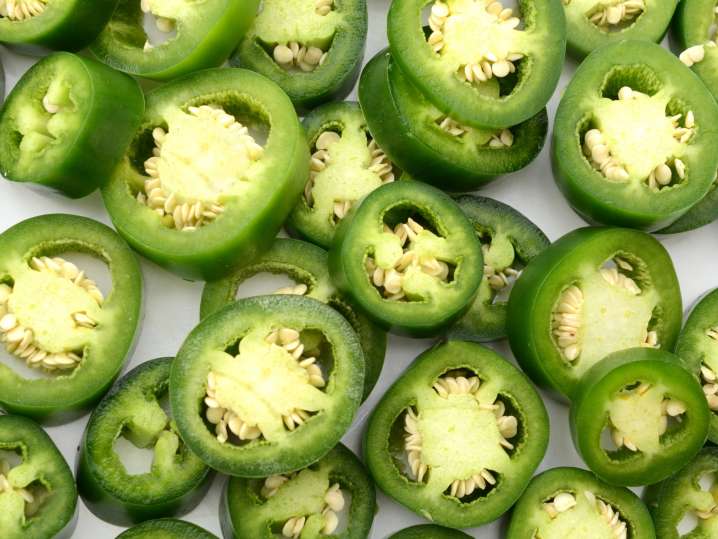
(171, 304)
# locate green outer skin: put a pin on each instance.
(547, 484)
(67, 25)
(429, 531)
(87, 160)
(545, 38)
(166, 528)
(250, 222)
(533, 432)
(703, 213)
(57, 515)
(486, 320)
(346, 258)
(333, 80)
(691, 26)
(589, 193)
(301, 447)
(106, 488)
(588, 416)
(306, 263)
(452, 165)
(242, 513)
(584, 36)
(62, 397)
(204, 39)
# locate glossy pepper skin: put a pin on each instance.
(166, 528)
(429, 531)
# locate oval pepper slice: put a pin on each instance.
(166, 528)
(409, 257)
(472, 41)
(653, 409)
(62, 127)
(694, 35)
(177, 480)
(634, 137)
(570, 502)
(267, 385)
(306, 264)
(38, 497)
(56, 319)
(429, 531)
(592, 292)
(196, 193)
(333, 497)
(458, 436)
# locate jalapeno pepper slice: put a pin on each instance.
(429, 531)
(695, 37)
(166, 528)
(62, 127)
(72, 336)
(703, 213)
(196, 193)
(458, 436)
(593, 292)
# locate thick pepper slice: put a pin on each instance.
(166, 528)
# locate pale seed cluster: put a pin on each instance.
(295, 54)
(503, 138)
(163, 24)
(709, 377)
(614, 14)
(566, 322)
(5, 485)
(565, 501)
(323, 7)
(695, 54)
(19, 10)
(498, 279)
(705, 515)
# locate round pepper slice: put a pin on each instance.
(592, 292)
(653, 410)
(458, 436)
(693, 30)
(166, 528)
(177, 480)
(306, 264)
(313, 49)
(73, 337)
(634, 137)
(473, 41)
(409, 257)
(196, 193)
(432, 146)
(703, 213)
(38, 498)
(308, 503)
(67, 123)
(570, 502)
(197, 35)
(267, 385)
(429, 531)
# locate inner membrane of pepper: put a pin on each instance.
(23, 487)
(501, 267)
(607, 15)
(700, 503)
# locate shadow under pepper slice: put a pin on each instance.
(333, 497)
(695, 36)
(458, 436)
(592, 292)
(166, 528)
(429, 531)
(54, 317)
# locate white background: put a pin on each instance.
(171, 304)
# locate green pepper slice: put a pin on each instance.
(197, 35)
(703, 213)
(634, 137)
(458, 436)
(312, 49)
(312, 502)
(693, 32)
(306, 265)
(509, 240)
(267, 385)
(429, 531)
(471, 42)
(38, 497)
(61, 125)
(592, 292)
(177, 480)
(649, 408)
(166, 528)
(73, 337)
(196, 193)
(409, 257)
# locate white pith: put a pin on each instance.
(709, 377)
(7, 486)
(20, 10)
(568, 511)
(164, 24)
(293, 290)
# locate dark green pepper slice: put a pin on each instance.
(177, 480)
(458, 436)
(509, 240)
(196, 193)
(333, 497)
(570, 502)
(433, 147)
(634, 137)
(57, 320)
(38, 497)
(166, 528)
(473, 41)
(593, 292)
(703, 213)
(313, 49)
(694, 33)
(306, 265)
(197, 35)
(67, 123)
(429, 531)
(267, 385)
(409, 257)
(638, 416)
